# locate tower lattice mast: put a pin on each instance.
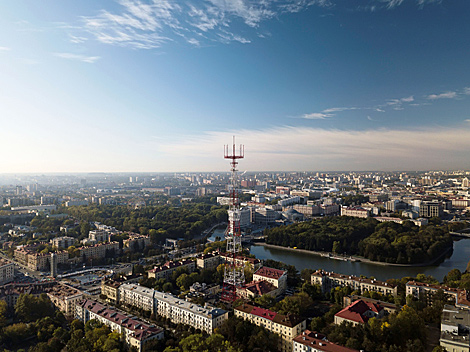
(234, 275)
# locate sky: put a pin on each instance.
(304, 85)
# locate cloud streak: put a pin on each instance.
(324, 149)
(446, 95)
(316, 116)
(77, 57)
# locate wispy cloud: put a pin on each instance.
(139, 24)
(4, 48)
(339, 109)
(392, 3)
(77, 40)
(82, 58)
(316, 116)
(396, 104)
(446, 95)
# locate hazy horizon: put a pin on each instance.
(162, 86)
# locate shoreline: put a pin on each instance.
(355, 258)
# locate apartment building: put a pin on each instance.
(286, 326)
(137, 333)
(137, 296)
(7, 271)
(308, 210)
(62, 242)
(329, 280)
(455, 329)
(99, 236)
(311, 341)
(99, 250)
(431, 209)
(208, 261)
(166, 270)
(240, 260)
(10, 292)
(65, 298)
(180, 311)
(136, 242)
(427, 291)
(276, 277)
(355, 211)
(110, 287)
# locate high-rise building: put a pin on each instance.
(53, 265)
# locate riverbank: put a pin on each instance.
(353, 258)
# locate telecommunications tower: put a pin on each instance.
(234, 275)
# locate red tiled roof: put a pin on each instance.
(260, 287)
(356, 311)
(318, 342)
(139, 328)
(270, 272)
(264, 313)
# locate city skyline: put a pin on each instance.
(161, 86)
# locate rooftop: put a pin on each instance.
(331, 274)
(140, 330)
(270, 272)
(319, 342)
(289, 320)
(356, 311)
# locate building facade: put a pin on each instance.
(330, 280)
(286, 326)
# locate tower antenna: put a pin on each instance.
(234, 276)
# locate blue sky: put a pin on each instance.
(304, 85)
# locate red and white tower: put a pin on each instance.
(234, 275)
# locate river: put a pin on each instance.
(457, 259)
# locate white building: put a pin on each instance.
(62, 242)
(137, 296)
(329, 280)
(7, 271)
(98, 236)
(289, 201)
(180, 311)
(72, 203)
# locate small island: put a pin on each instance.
(386, 242)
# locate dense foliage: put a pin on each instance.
(387, 242)
(186, 221)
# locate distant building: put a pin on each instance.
(98, 236)
(329, 280)
(355, 212)
(431, 209)
(73, 203)
(166, 270)
(53, 265)
(62, 242)
(208, 261)
(7, 271)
